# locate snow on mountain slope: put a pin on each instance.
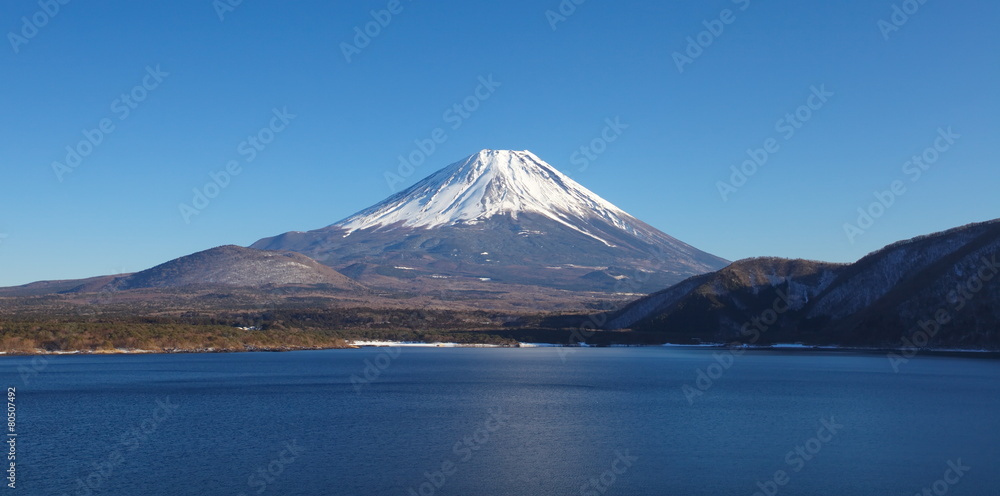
(501, 216)
(490, 183)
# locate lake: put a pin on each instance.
(467, 421)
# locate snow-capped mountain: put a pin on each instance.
(502, 216)
(491, 183)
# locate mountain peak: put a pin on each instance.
(500, 217)
(487, 184)
(503, 158)
(486, 152)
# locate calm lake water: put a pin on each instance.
(613, 421)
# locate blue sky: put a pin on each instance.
(219, 81)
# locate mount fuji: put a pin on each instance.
(501, 216)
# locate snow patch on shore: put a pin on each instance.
(415, 344)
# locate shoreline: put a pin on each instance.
(780, 347)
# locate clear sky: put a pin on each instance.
(197, 87)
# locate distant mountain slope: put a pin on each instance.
(236, 266)
(724, 300)
(88, 285)
(233, 266)
(879, 300)
(504, 216)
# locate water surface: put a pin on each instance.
(503, 422)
